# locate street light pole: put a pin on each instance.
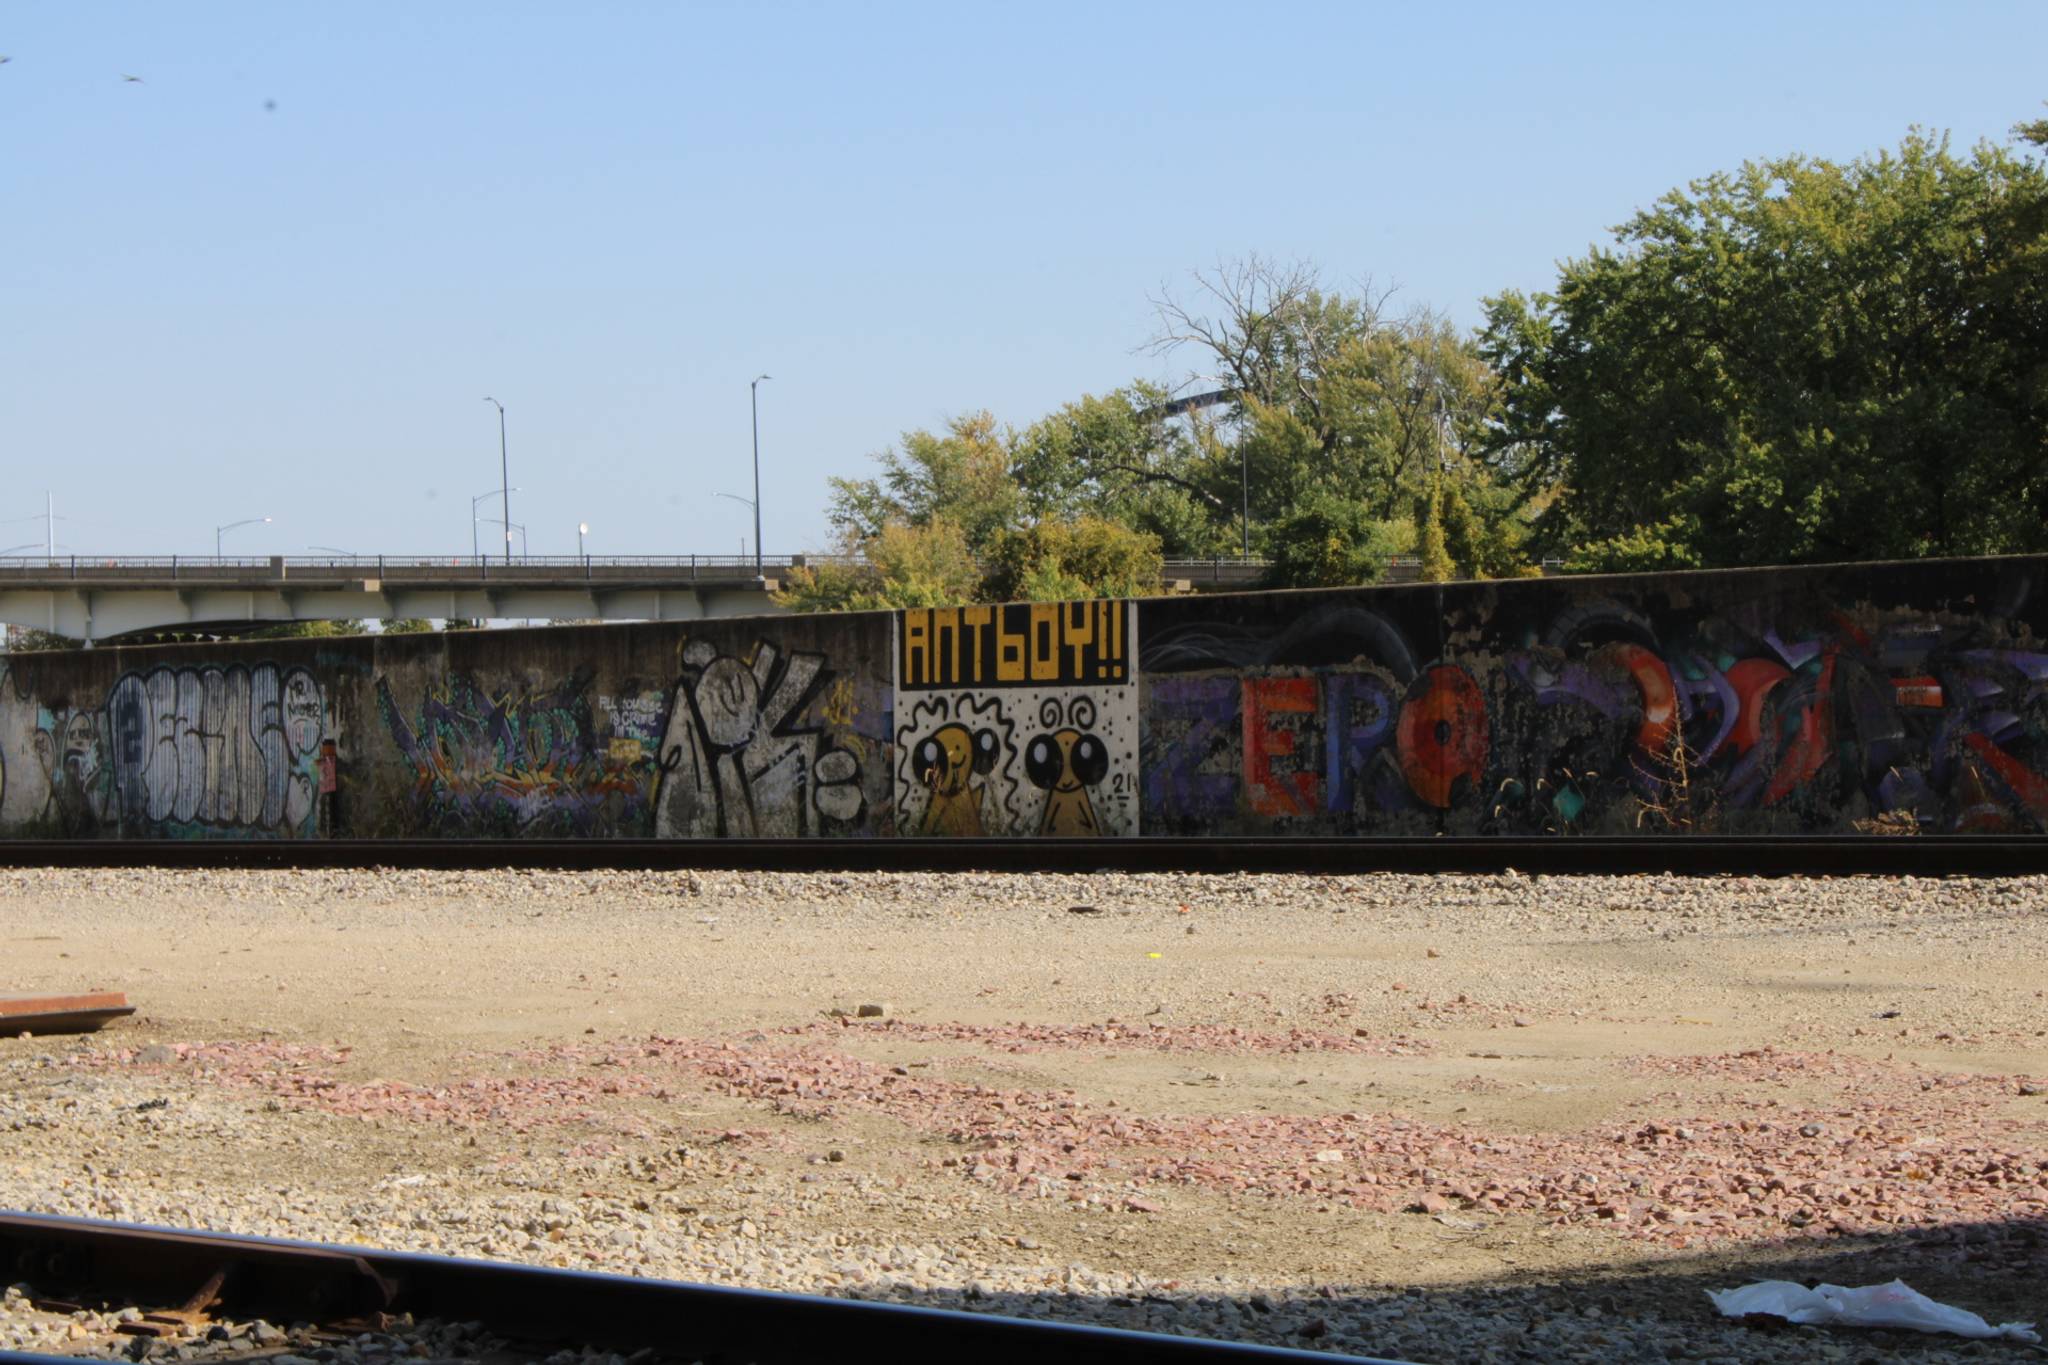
(754, 392)
(220, 531)
(1244, 474)
(582, 530)
(504, 478)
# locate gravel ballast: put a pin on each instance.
(1438, 1118)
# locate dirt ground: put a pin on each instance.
(1623, 1090)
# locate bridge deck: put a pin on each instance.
(101, 597)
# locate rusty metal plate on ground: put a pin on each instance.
(40, 1014)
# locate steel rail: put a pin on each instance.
(1778, 855)
(282, 1281)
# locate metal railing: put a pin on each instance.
(217, 567)
(71, 566)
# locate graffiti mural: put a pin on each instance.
(71, 758)
(1317, 720)
(1789, 721)
(191, 751)
(518, 762)
(746, 753)
(1017, 720)
(1878, 699)
(23, 791)
(1550, 709)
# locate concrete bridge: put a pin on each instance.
(100, 597)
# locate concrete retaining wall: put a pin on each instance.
(1872, 698)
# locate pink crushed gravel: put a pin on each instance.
(1873, 1145)
(1218, 1039)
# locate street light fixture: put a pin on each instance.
(504, 478)
(474, 552)
(757, 527)
(510, 527)
(754, 395)
(220, 531)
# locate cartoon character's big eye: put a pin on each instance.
(931, 762)
(1043, 762)
(984, 752)
(1090, 761)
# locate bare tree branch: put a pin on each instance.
(1160, 476)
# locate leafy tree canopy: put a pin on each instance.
(960, 476)
(1309, 412)
(1330, 541)
(1053, 560)
(1798, 361)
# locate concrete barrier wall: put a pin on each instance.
(1871, 698)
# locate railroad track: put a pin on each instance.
(190, 1290)
(1927, 855)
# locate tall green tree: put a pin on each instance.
(960, 475)
(1327, 397)
(1310, 429)
(982, 513)
(1434, 549)
(1061, 560)
(1799, 361)
(900, 565)
(1130, 458)
(1327, 541)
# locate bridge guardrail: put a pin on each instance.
(219, 566)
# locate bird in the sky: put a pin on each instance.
(133, 80)
(5, 60)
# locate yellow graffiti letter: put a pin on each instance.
(1045, 641)
(1010, 647)
(977, 618)
(1080, 624)
(917, 653)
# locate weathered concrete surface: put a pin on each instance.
(1872, 698)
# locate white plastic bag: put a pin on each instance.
(1876, 1305)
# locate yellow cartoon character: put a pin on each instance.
(944, 762)
(1064, 764)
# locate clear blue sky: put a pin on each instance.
(611, 216)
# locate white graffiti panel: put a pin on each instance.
(229, 749)
(1057, 762)
(742, 755)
